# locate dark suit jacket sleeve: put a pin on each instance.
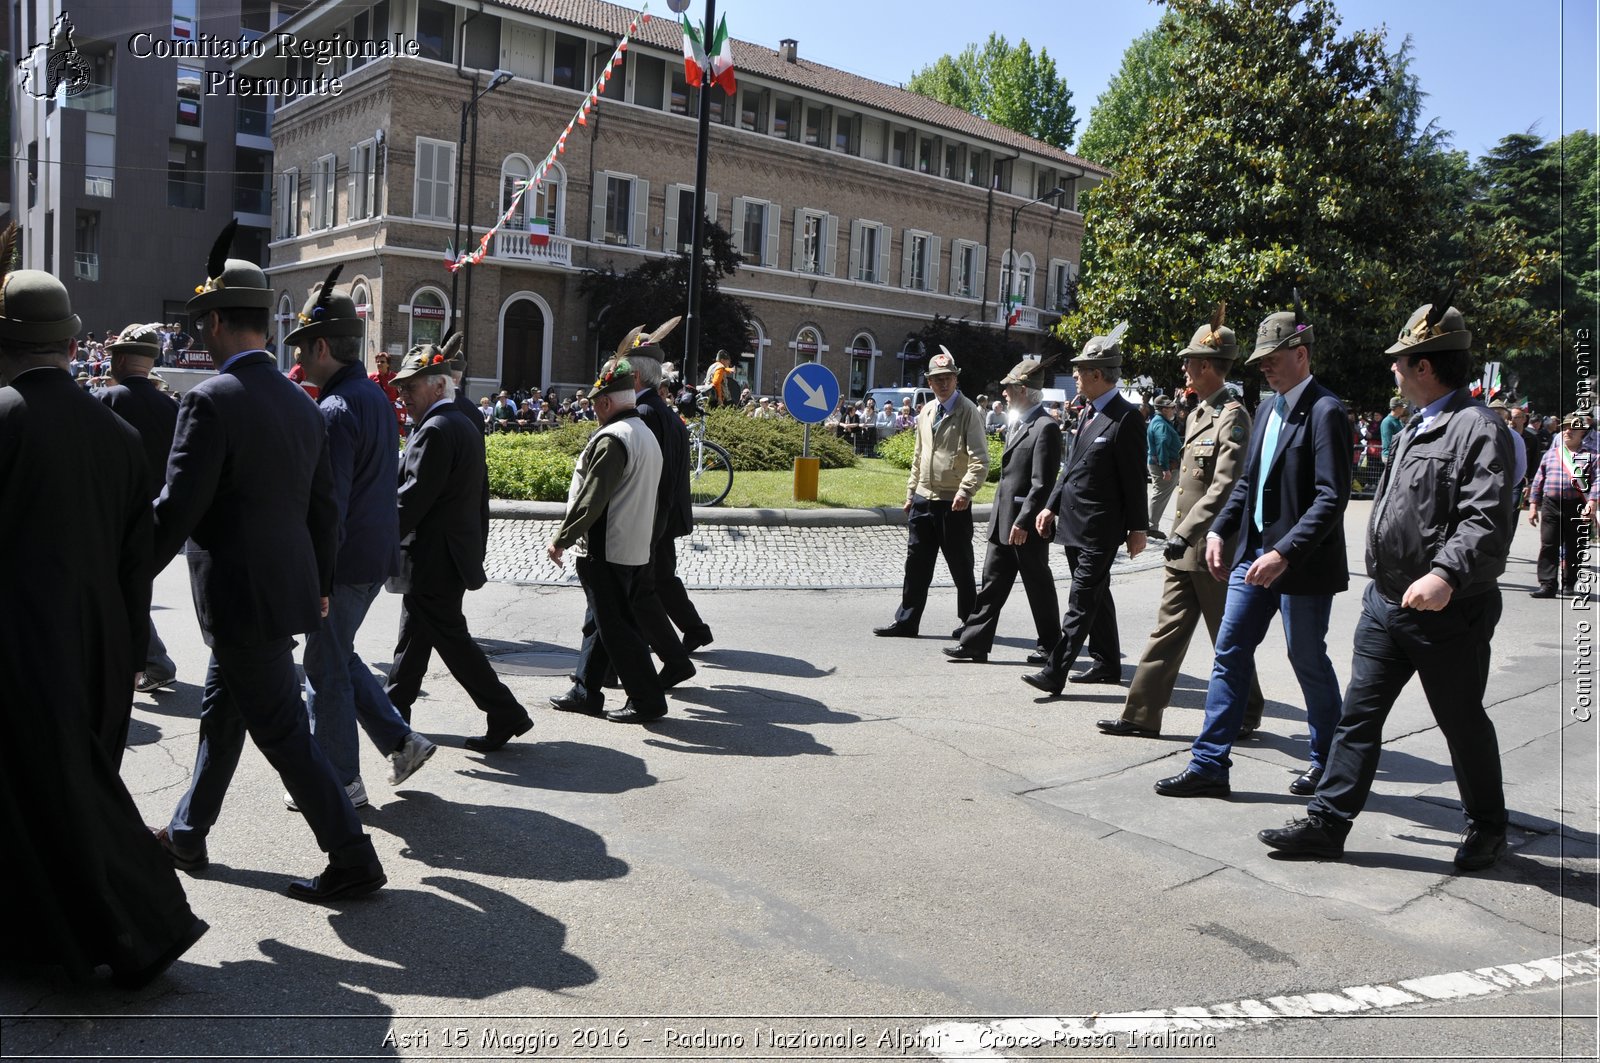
(1132, 471)
(1046, 466)
(194, 468)
(1330, 441)
(426, 471)
(322, 517)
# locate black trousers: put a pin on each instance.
(611, 636)
(659, 585)
(934, 527)
(1091, 614)
(432, 620)
(673, 594)
(1002, 563)
(1561, 532)
(1448, 651)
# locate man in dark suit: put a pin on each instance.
(154, 416)
(1101, 500)
(249, 487)
(444, 530)
(1028, 469)
(84, 883)
(1287, 511)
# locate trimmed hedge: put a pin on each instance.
(772, 444)
(534, 467)
(896, 450)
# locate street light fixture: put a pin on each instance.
(498, 78)
(1011, 250)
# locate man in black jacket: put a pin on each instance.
(1028, 469)
(154, 416)
(1287, 512)
(1102, 503)
(444, 529)
(1436, 546)
(249, 488)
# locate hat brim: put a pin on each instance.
(1450, 341)
(431, 369)
(134, 350)
(1200, 350)
(325, 330)
(231, 299)
(1302, 338)
(931, 373)
(40, 331)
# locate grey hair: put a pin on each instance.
(1035, 396)
(646, 372)
(443, 378)
(1109, 375)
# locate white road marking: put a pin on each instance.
(988, 1040)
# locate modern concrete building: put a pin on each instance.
(124, 167)
(861, 210)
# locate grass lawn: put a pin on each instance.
(872, 483)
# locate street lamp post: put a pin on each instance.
(1011, 251)
(470, 107)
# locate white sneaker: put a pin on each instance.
(356, 792)
(404, 761)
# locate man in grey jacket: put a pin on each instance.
(1436, 546)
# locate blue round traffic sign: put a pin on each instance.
(810, 392)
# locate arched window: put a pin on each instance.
(750, 371)
(807, 345)
(1022, 288)
(515, 172)
(550, 201)
(863, 355)
(427, 317)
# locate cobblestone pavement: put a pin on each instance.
(718, 555)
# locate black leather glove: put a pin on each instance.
(1176, 547)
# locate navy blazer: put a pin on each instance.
(443, 484)
(153, 414)
(1100, 497)
(1305, 495)
(364, 454)
(1028, 469)
(249, 487)
(674, 509)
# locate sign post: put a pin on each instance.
(810, 393)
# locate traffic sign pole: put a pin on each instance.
(810, 393)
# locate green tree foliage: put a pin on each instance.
(651, 293)
(1121, 115)
(1285, 155)
(984, 354)
(1005, 84)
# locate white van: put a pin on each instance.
(919, 397)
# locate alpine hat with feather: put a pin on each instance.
(1282, 331)
(1103, 352)
(138, 341)
(1029, 372)
(34, 306)
(427, 359)
(326, 314)
(230, 282)
(1215, 340)
(1435, 326)
(617, 374)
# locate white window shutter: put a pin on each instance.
(444, 180)
(797, 261)
(955, 268)
(981, 269)
(422, 188)
(597, 211)
(906, 243)
(830, 240)
(669, 227)
(641, 213)
(773, 225)
(885, 233)
(931, 281)
(736, 228)
(711, 205)
(855, 250)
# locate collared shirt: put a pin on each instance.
(1554, 481)
(1103, 401)
(950, 407)
(1290, 397)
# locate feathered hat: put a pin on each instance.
(1215, 340)
(230, 282)
(326, 314)
(1281, 331)
(1435, 326)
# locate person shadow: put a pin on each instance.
(743, 721)
(517, 843)
(568, 767)
(754, 662)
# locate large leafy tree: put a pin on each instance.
(1119, 117)
(651, 293)
(1284, 155)
(1006, 84)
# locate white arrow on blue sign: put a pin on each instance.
(810, 392)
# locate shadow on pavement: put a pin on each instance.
(181, 699)
(742, 721)
(755, 662)
(494, 840)
(142, 734)
(570, 767)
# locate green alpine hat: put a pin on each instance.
(941, 363)
(1214, 340)
(326, 314)
(1284, 330)
(645, 344)
(1163, 402)
(35, 308)
(230, 282)
(615, 375)
(139, 341)
(1103, 352)
(1433, 330)
(1029, 372)
(427, 359)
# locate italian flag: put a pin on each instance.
(694, 55)
(539, 231)
(722, 59)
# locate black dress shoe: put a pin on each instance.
(673, 674)
(1305, 837)
(1306, 784)
(1109, 674)
(629, 714)
(1192, 784)
(1547, 591)
(499, 734)
(695, 641)
(1043, 681)
(1039, 657)
(961, 653)
(573, 701)
(895, 631)
(1481, 848)
(336, 882)
(190, 860)
(1120, 726)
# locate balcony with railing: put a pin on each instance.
(252, 200)
(86, 265)
(1027, 317)
(516, 244)
(190, 194)
(96, 99)
(98, 186)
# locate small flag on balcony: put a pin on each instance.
(539, 232)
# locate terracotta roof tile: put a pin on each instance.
(663, 31)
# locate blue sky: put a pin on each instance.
(1490, 67)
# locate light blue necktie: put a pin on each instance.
(1269, 451)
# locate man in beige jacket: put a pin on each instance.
(949, 462)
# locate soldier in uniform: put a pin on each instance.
(1213, 448)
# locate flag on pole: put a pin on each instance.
(722, 59)
(539, 232)
(694, 55)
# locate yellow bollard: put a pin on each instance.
(805, 478)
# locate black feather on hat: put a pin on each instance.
(217, 261)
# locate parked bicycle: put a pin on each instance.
(710, 467)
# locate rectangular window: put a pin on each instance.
(685, 233)
(649, 80)
(869, 252)
(754, 230)
(369, 25)
(899, 155)
(619, 210)
(190, 82)
(86, 247)
(288, 222)
(482, 47)
(186, 170)
(252, 181)
(363, 180)
(813, 135)
(783, 117)
(916, 274)
(846, 134)
(1063, 286)
(753, 110)
(925, 155)
(435, 179)
(436, 31)
(678, 217)
(810, 244)
(966, 269)
(322, 176)
(952, 162)
(568, 71)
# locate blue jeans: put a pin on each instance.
(341, 689)
(1245, 619)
